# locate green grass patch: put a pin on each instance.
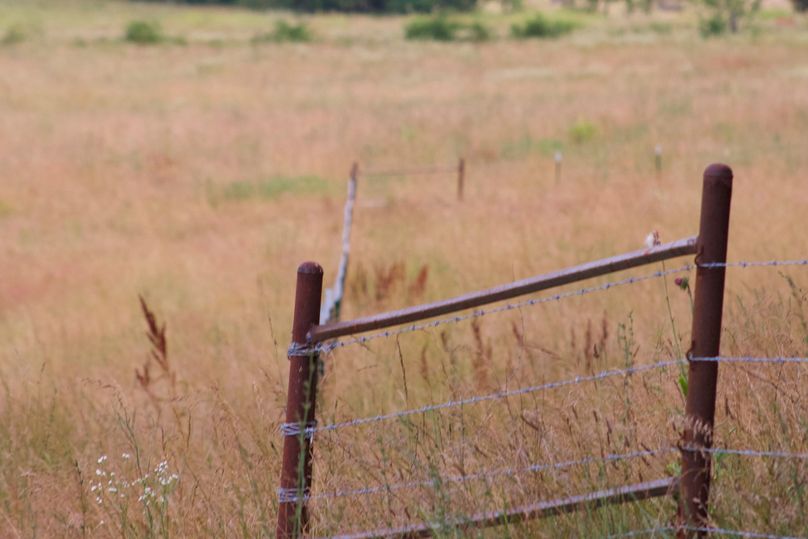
(542, 27)
(5, 209)
(268, 189)
(582, 131)
(443, 28)
(526, 145)
(285, 32)
(143, 32)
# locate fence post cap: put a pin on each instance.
(310, 268)
(720, 172)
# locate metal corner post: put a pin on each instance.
(702, 378)
(296, 473)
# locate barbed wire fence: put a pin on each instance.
(295, 491)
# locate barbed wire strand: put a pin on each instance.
(489, 474)
(749, 359)
(328, 347)
(747, 452)
(739, 533)
(755, 263)
(640, 533)
(500, 395)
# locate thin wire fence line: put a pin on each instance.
(410, 172)
(750, 359)
(755, 263)
(500, 395)
(328, 347)
(490, 474)
(641, 533)
(746, 452)
(739, 533)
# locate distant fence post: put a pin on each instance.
(461, 178)
(300, 406)
(558, 157)
(694, 487)
(658, 159)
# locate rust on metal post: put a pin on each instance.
(461, 177)
(300, 406)
(507, 291)
(706, 338)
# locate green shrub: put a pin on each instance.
(540, 26)
(438, 28)
(350, 6)
(14, 34)
(285, 32)
(582, 131)
(143, 33)
(712, 26)
(478, 32)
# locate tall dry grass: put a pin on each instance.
(175, 172)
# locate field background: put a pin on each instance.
(199, 173)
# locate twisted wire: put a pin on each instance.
(739, 533)
(500, 395)
(328, 347)
(749, 359)
(640, 533)
(755, 263)
(746, 452)
(489, 474)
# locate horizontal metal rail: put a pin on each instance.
(619, 495)
(514, 289)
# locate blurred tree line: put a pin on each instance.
(353, 6)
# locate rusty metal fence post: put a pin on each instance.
(461, 178)
(300, 406)
(706, 336)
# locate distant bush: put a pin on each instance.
(478, 32)
(800, 5)
(712, 26)
(143, 33)
(582, 131)
(540, 26)
(442, 28)
(285, 32)
(438, 28)
(14, 34)
(354, 6)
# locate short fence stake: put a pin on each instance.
(300, 406)
(706, 335)
(461, 176)
(558, 158)
(658, 159)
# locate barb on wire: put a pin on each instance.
(501, 395)
(411, 172)
(328, 347)
(490, 474)
(755, 263)
(749, 359)
(746, 452)
(641, 533)
(738, 533)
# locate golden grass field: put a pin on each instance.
(200, 174)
